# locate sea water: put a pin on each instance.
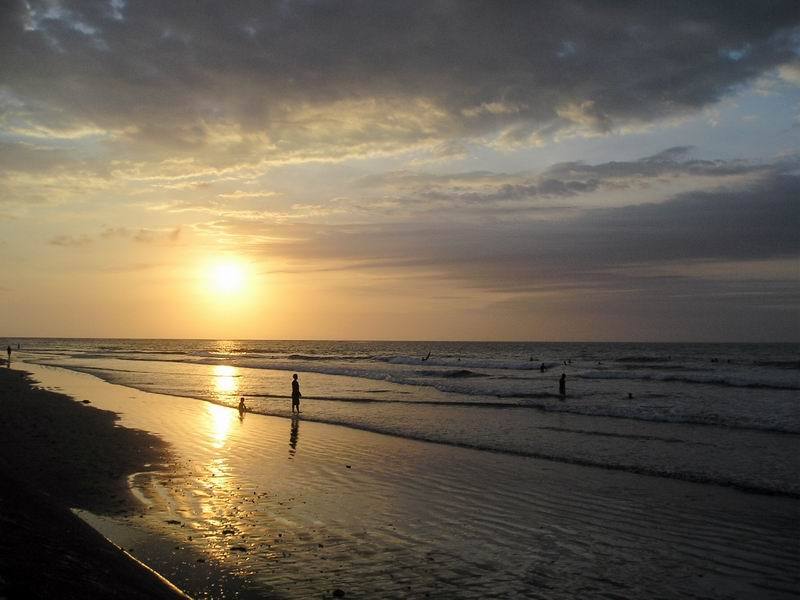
(721, 414)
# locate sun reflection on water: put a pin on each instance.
(226, 380)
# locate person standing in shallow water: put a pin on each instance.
(8, 349)
(295, 393)
(562, 385)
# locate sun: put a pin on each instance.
(227, 277)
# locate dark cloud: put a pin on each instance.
(563, 180)
(669, 163)
(308, 77)
(758, 221)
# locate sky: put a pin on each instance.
(571, 170)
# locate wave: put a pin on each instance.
(718, 381)
(346, 357)
(466, 362)
(663, 367)
(643, 359)
(780, 364)
(627, 436)
(533, 395)
(457, 374)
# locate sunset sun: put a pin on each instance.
(227, 277)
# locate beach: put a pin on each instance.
(59, 454)
(264, 506)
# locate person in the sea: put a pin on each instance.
(242, 406)
(8, 349)
(296, 395)
(542, 368)
(562, 385)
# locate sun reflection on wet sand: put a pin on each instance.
(220, 419)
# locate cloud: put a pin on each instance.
(240, 83)
(239, 194)
(790, 72)
(141, 235)
(521, 192)
(70, 241)
(755, 220)
(671, 162)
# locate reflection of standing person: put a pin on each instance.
(294, 434)
(295, 393)
(562, 385)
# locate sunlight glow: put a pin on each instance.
(221, 419)
(227, 277)
(226, 381)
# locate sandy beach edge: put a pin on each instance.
(59, 454)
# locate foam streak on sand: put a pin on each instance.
(296, 509)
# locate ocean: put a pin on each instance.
(718, 414)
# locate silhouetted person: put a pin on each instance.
(630, 396)
(242, 406)
(8, 349)
(542, 368)
(296, 395)
(562, 385)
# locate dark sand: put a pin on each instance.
(59, 454)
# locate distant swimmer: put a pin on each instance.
(562, 385)
(296, 395)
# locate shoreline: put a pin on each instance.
(59, 454)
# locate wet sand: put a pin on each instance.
(261, 507)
